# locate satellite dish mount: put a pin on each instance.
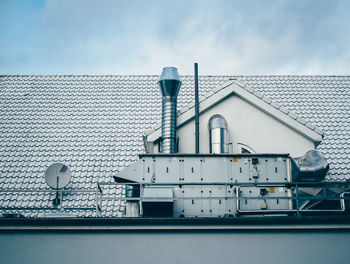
(57, 176)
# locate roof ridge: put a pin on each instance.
(291, 75)
(183, 75)
(75, 75)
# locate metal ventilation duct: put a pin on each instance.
(218, 135)
(312, 167)
(169, 84)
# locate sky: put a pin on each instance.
(141, 37)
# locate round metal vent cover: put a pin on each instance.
(57, 176)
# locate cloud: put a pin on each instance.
(141, 37)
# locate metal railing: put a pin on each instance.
(296, 196)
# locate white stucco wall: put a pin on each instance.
(248, 125)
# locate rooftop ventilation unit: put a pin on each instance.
(220, 184)
(169, 84)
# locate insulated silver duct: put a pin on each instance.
(312, 167)
(218, 135)
(169, 84)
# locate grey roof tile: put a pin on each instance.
(267, 99)
(284, 110)
(311, 126)
(249, 89)
(94, 124)
(292, 115)
(258, 94)
(302, 121)
(243, 85)
(275, 105)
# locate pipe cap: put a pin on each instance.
(169, 82)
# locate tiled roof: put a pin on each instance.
(320, 100)
(94, 125)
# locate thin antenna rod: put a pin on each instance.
(196, 105)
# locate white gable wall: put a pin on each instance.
(248, 125)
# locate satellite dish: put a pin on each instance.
(57, 176)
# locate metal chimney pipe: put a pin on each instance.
(169, 84)
(196, 99)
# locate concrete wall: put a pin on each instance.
(175, 247)
(247, 125)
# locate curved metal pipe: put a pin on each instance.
(312, 167)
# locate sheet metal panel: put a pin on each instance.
(288, 247)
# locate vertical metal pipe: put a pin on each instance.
(168, 125)
(196, 96)
(169, 84)
(218, 135)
